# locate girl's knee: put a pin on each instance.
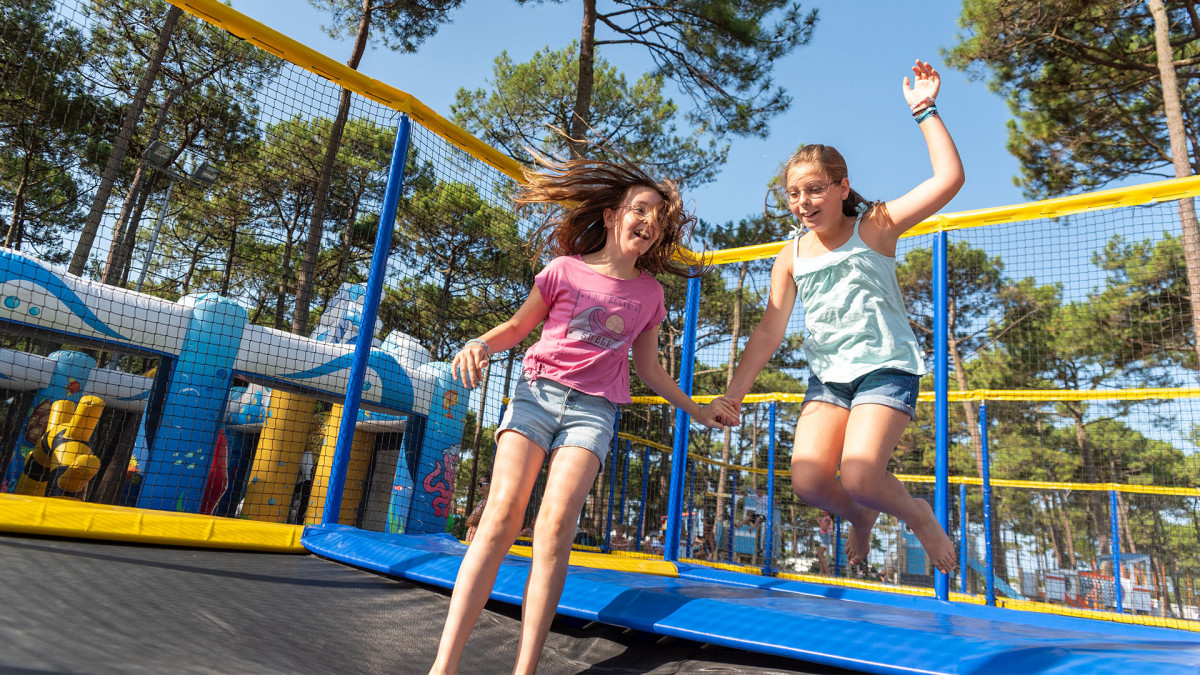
(861, 482)
(808, 481)
(554, 525)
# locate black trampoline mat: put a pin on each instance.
(85, 606)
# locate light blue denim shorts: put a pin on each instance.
(886, 386)
(552, 415)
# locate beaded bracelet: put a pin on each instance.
(927, 113)
(481, 341)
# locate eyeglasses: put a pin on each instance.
(640, 210)
(813, 190)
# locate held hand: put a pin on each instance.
(709, 416)
(927, 84)
(469, 363)
(733, 416)
(718, 414)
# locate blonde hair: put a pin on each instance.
(574, 195)
(834, 166)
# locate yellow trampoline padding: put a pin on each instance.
(70, 518)
(611, 562)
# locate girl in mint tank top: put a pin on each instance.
(612, 229)
(863, 355)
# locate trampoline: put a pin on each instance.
(86, 606)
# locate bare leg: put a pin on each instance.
(820, 436)
(518, 461)
(572, 472)
(872, 434)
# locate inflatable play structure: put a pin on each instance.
(204, 344)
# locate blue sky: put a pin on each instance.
(845, 86)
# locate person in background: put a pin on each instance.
(482, 489)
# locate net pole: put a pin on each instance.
(962, 538)
(682, 424)
(366, 332)
(989, 562)
(769, 546)
(612, 481)
(941, 582)
(1114, 516)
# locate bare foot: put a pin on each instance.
(858, 543)
(933, 538)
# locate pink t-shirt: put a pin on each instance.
(591, 326)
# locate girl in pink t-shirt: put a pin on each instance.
(612, 228)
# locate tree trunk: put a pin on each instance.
(306, 277)
(1052, 531)
(15, 231)
(970, 412)
(343, 271)
(1068, 531)
(227, 273)
(738, 294)
(87, 236)
(131, 235)
(1179, 158)
(1096, 532)
(487, 373)
(581, 115)
(286, 274)
(115, 262)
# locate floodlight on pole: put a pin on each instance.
(205, 175)
(159, 156)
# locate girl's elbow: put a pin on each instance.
(960, 179)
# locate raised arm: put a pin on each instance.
(936, 191)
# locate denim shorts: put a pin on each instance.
(886, 386)
(552, 415)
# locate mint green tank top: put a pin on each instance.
(854, 316)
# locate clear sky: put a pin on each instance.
(845, 85)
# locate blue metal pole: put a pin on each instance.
(989, 551)
(366, 332)
(941, 480)
(687, 361)
(642, 511)
(769, 546)
(962, 538)
(691, 481)
(612, 479)
(624, 478)
(837, 546)
(1114, 518)
(732, 499)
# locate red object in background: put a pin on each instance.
(218, 476)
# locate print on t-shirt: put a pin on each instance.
(602, 319)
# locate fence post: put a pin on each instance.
(624, 478)
(687, 363)
(612, 479)
(366, 332)
(769, 546)
(642, 511)
(1114, 518)
(941, 582)
(989, 562)
(962, 538)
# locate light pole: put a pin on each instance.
(158, 156)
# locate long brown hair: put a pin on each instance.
(573, 195)
(834, 166)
